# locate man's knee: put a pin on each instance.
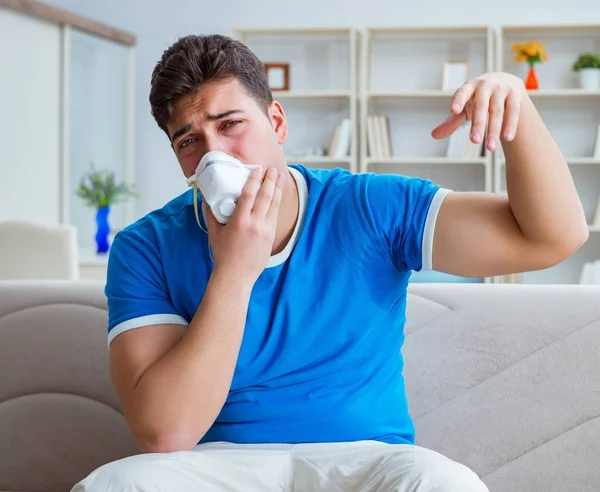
(437, 473)
(413, 468)
(448, 479)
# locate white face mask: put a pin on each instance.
(220, 179)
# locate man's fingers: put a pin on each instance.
(265, 195)
(480, 113)
(448, 127)
(273, 212)
(495, 120)
(461, 97)
(248, 196)
(511, 117)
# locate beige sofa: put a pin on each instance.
(503, 378)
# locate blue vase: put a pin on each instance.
(102, 229)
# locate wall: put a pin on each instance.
(157, 26)
(30, 119)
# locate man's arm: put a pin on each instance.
(174, 384)
(541, 222)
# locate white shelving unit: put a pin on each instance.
(397, 72)
(323, 88)
(402, 80)
(571, 114)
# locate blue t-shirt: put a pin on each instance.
(320, 359)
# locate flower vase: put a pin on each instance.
(531, 83)
(102, 229)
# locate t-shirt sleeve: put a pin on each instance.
(136, 289)
(403, 211)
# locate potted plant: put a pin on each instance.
(532, 52)
(99, 189)
(587, 65)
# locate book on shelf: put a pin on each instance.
(596, 219)
(460, 145)
(512, 278)
(341, 139)
(379, 139)
(590, 273)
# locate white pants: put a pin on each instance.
(365, 466)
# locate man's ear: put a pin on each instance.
(279, 122)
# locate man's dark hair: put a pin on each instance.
(194, 60)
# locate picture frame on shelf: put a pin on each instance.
(278, 76)
(455, 74)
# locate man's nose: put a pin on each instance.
(214, 142)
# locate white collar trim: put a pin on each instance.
(283, 255)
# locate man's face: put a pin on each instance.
(222, 116)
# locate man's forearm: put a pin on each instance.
(542, 195)
(179, 397)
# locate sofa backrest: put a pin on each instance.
(59, 416)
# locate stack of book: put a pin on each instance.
(590, 273)
(379, 140)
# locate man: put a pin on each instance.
(267, 355)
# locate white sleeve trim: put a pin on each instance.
(427, 245)
(151, 319)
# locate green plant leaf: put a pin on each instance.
(99, 188)
(586, 60)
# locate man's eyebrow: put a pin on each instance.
(212, 117)
(220, 116)
(180, 132)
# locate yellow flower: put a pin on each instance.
(532, 51)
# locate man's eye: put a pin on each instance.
(231, 124)
(186, 142)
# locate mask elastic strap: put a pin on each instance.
(196, 208)
(198, 220)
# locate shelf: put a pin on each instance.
(431, 276)
(446, 94)
(574, 161)
(426, 160)
(292, 31)
(563, 93)
(408, 94)
(410, 61)
(311, 94)
(317, 159)
(429, 30)
(321, 162)
(569, 29)
(321, 95)
(582, 161)
(405, 86)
